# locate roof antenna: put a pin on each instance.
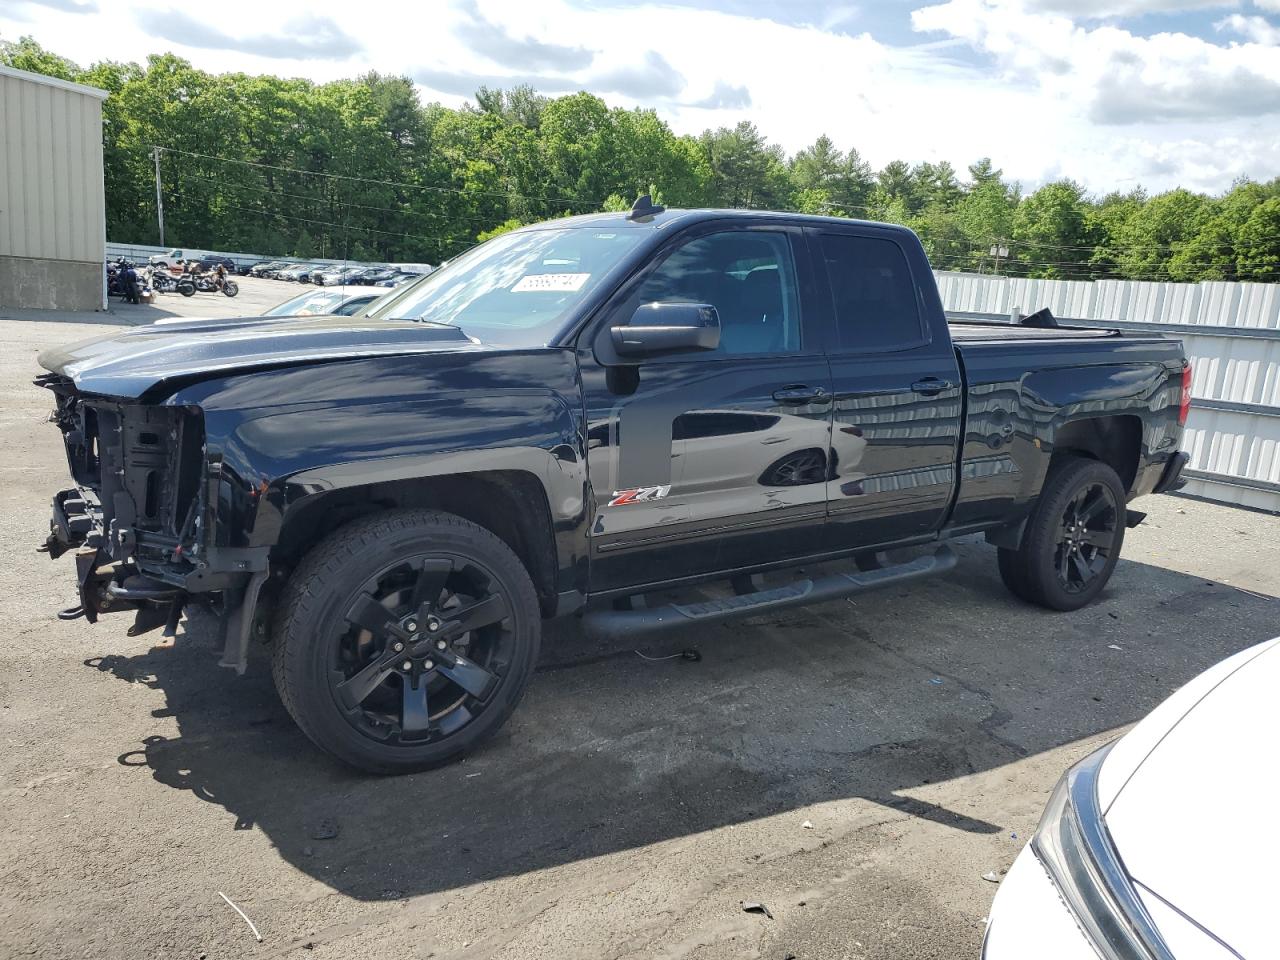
(644, 209)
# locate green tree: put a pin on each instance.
(1050, 233)
(26, 54)
(984, 216)
(1258, 247)
(744, 169)
(1107, 220)
(505, 227)
(826, 180)
(1212, 252)
(1147, 240)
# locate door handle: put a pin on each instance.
(931, 386)
(799, 393)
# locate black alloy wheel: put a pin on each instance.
(1071, 542)
(405, 640)
(1086, 536)
(421, 649)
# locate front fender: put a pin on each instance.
(277, 439)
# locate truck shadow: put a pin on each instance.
(872, 698)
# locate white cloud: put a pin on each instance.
(1099, 9)
(1115, 76)
(1256, 29)
(1066, 93)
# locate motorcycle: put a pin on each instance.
(162, 281)
(213, 281)
(122, 281)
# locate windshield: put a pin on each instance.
(515, 290)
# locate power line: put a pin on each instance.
(469, 241)
(384, 183)
(236, 185)
(1096, 271)
(976, 250)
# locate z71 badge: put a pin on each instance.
(638, 495)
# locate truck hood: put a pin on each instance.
(131, 363)
(1194, 822)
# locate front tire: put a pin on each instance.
(405, 640)
(1072, 540)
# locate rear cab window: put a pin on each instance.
(875, 300)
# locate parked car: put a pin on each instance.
(211, 261)
(396, 500)
(374, 275)
(268, 267)
(1162, 844)
(313, 276)
(343, 302)
(298, 273)
(167, 260)
(397, 279)
(362, 277)
(340, 276)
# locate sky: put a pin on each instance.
(1112, 93)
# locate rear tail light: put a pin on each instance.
(1185, 406)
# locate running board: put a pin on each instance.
(625, 623)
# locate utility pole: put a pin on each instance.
(998, 250)
(155, 152)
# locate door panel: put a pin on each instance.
(898, 394)
(695, 465)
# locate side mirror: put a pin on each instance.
(667, 328)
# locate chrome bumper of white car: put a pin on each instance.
(1073, 852)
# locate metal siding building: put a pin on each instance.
(52, 203)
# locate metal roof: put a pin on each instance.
(54, 82)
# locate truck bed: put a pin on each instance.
(971, 330)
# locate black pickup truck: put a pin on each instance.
(574, 415)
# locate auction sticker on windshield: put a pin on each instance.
(559, 282)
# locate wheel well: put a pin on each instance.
(509, 503)
(1116, 441)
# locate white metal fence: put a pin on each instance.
(1231, 332)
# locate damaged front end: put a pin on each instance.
(140, 515)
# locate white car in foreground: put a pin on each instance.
(1166, 843)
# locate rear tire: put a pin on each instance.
(385, 581)
(1072, 540)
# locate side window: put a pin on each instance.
(747, 275)
(874, 296)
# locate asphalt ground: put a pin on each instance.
(856, 766)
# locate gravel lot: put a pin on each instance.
(628, 807)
